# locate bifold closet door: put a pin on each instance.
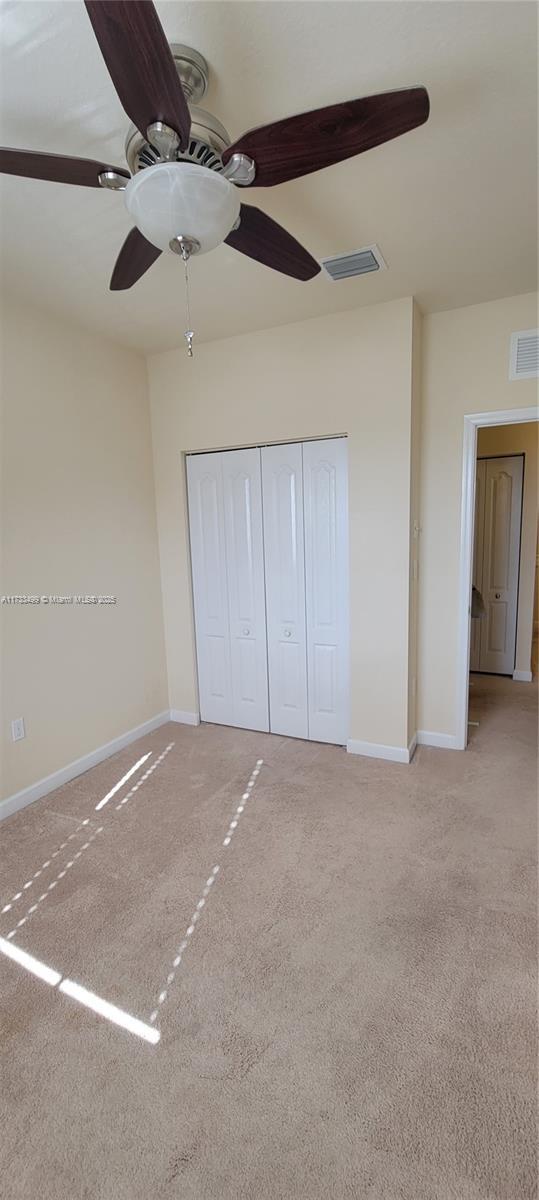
(282, 489)
(325, 490)
(210, 588)
(242, 489)
(225, 517)
(269, 549)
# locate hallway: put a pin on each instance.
(504, 709)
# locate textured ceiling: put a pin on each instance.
(452, 205)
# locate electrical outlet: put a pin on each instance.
(17, 729)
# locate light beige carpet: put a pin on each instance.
(353, 1016)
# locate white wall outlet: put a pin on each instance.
(17, 729)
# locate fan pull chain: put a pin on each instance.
(189, 334)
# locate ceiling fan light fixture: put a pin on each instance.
(182, 200)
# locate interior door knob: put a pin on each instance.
(246, 632)
(498, 595)
(287, 632)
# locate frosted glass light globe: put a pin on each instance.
(181, 199)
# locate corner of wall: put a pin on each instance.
(414, 540)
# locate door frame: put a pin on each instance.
(473, 422)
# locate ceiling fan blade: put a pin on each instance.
(57, 168)
(263, 239)
(140, 63)
(299, 145)
(134, 259)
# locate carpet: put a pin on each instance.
(352, 1014)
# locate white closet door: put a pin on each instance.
(282, 486)
(325, 486)
(477, 573)
(210, 593)
(501, 557)
(246, 601)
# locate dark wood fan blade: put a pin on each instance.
(136, 256)
(299, 145)
(261, 238)
(140, 63)
(55, 167)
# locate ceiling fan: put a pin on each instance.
(182, 186)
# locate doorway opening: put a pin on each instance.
(498, 563)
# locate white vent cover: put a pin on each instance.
(356, 262)
(524, 356)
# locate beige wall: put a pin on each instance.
(520, 439)
(347, 373)
(78, 518)
(465, 370)
(536, 597)
(79, 507)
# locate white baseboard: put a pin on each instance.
(444, 741)
(401, 754)
(35, 791)
(184, 718)
(522, 676)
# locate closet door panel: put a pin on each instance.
(282, 483)
(245, 575)
(325, 482)
(210, 593)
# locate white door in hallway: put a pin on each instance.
(210, 588)
(242, 489)
(325, 488)
(477, 569)
(501, 523)
(282, 486)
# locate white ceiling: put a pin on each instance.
(452, 205)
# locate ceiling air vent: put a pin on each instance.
(357, 262)
(524, 356)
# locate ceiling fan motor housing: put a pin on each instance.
(208, 140)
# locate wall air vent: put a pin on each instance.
(357, 262)
(524, 354)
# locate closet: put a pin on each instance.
(269, 553)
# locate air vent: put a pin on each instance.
(357, 262)
(524, 355)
